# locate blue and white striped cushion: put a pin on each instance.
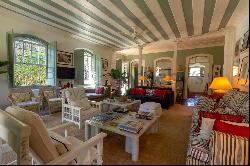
(229, 149)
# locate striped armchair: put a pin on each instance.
(223, 147)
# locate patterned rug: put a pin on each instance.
(168, 147)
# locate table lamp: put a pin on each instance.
(167, 78)
(142, 78)
(220, 85)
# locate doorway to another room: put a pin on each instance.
(198, 76)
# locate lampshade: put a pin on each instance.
(142, 78)
(167, 78)
(220, 84)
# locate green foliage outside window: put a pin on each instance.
(26, 75)
(30, 63)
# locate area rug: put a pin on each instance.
(168, 147)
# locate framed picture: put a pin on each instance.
(105, 64)
(64, 58)
(216, 71)
(237, 48)
(244, 72)
(245, 42)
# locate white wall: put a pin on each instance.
(242, 27)
(21, 24)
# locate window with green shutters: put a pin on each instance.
(32, 61)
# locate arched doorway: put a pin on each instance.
(197, 74)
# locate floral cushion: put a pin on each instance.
(149, 92)
(159, 93)
(21, 97)
(99, 90)
(49, 94)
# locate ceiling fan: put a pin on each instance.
(135, 35)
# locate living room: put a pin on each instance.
(171, 64)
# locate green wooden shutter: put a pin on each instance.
(10, 52)
(51, 64)
(98, 70)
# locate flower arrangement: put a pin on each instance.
(149, 76)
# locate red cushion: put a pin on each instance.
(99, 90)
(217, 116)
(159, 93)
(132, 91)
(140, 91)
(215, 96)
(224, 127)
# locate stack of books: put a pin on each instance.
(105, 117)
(131, 126)
(144, 115)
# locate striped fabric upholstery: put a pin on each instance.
(193, 161)
(206, 104)
(200, 150)
(229, 149)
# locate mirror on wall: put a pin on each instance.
(163, 69)
(244, 71)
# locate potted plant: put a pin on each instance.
(120, 80)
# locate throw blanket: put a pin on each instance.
(150, 106)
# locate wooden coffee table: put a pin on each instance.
(132, 139)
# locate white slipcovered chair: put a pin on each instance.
(25, 98)
(50, 99)
(32, 138)
(76, 107)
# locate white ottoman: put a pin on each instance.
(153, 107)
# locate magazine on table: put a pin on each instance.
(131, 126)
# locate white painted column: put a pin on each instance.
(140, 60)
(228, 53)
(174, 67)
(113, 60)
(140, 71)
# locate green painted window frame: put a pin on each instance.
(11, 38)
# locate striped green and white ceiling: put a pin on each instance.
(102, 21)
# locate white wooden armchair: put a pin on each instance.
(50, 99)
(76, 107)
(45, 145)
(24, 98)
